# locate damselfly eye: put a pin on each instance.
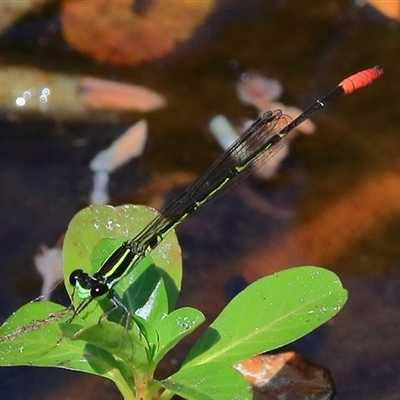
(73, 278)
(98, 290)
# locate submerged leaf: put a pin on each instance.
(124, 32)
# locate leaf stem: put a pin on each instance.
(124, 387)
(142, 388)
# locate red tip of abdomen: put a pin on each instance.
(360, 79)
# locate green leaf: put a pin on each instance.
(270, 313)
(174, 327)
(212, 381)
(148, 295)
(130, 346)
(146, 331)
(92, 235)
(31, 336)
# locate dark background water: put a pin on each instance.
(252, 231)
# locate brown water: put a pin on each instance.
(336, 202)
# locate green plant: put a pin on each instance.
(269, 313)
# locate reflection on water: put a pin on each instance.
(335, 203)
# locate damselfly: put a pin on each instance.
(256, 145)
